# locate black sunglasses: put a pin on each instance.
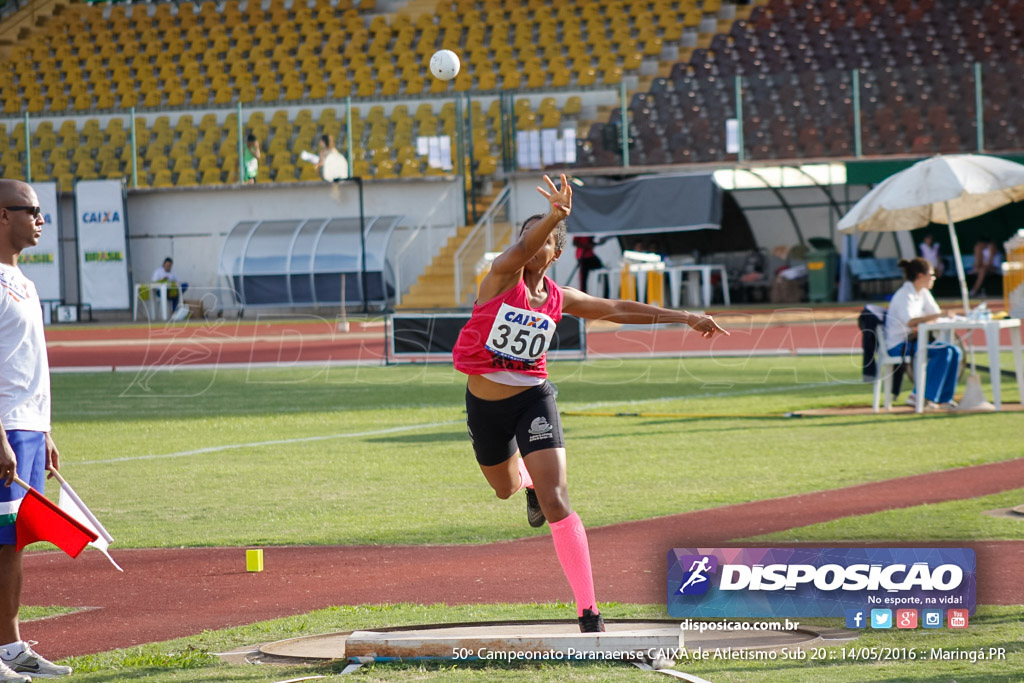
(36, 211)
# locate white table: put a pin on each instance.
(992, 328)
(614, 277)
(705, 270)
(155, 288)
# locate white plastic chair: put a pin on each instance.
(885, 365)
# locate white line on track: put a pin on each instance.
(276, 442)
(739, 391)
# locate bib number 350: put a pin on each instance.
(520, 334)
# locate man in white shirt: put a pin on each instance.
(26, 447)
(165, 273)
(929, 249)
(911, 305)
(333, 166)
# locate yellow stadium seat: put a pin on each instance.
(186, 178)
(181, 163)
(613, 76)
(318, 90)
(385, 169)
(229, 165)
(411, 169)
(208, 122)
(487, 80)
(86, 171)
(212, 176)
(175, 96)
(162, 178)
(208, 161)
(587, 76)
(111, 168)
(512, 81)
(223, 95)
(60, 165)
(284, 173)
(156, 163)
(365, 87)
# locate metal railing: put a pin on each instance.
(489, 232)
(423, 236)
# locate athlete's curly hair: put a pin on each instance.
(561, 231)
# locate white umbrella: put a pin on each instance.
(942, 189)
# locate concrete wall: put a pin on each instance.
(190, 225)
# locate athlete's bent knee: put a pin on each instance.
(505, 494)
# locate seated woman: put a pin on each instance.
(987, 259)
(911, 305)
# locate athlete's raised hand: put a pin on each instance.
(560, 197)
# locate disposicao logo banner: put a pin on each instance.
(817, 582)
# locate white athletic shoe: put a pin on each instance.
(10, 675)
(34, 665)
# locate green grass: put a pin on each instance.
(190, 659)
(29, 613)
(244, 470)
(959, 519)
(292, 455)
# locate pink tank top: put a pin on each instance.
(506, 334)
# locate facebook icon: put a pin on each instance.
(855, 618)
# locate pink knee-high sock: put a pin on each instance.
(574, 555)
(524, 474)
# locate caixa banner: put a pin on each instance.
(817, 582)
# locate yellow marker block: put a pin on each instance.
(254, 560)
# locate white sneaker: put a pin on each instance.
(912, 400)
(10, 675)
(35, 665)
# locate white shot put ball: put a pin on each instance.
(444, 64)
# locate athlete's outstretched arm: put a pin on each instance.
(507, 269)
(577, 303)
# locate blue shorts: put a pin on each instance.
(30, 450)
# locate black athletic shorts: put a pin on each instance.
(528, 422)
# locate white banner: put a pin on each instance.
(41, 263)
(102, 246)
(732, 136)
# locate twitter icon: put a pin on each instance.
(881, 618)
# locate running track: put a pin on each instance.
(796, 331)
(167, 593)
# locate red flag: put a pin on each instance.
(40, 520)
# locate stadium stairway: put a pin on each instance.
(414, 8)
(22, 23)
(435, 288)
